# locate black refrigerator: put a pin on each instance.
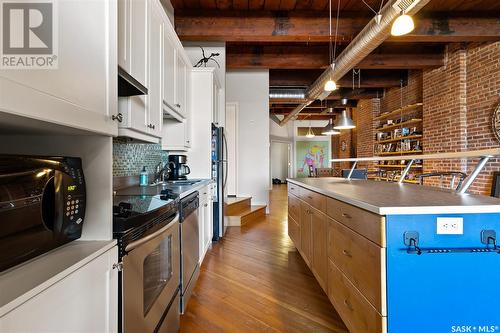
(219, 148)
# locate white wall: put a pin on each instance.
(281, 132)
(279, 160)
(250, 89)
(194, 53)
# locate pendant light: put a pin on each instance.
(344, 122)
(330, 85)
(402, 25)
(310, 133)
(329, 130)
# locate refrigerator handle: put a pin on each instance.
(224, 159)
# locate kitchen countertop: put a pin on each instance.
(23, 282)
(388, 198)
(180, 190)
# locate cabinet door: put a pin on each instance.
(155, 110)
(81, 92)
(320, 247)
(174, 135)
(305, 232)
(208, 219)
(201, 229)
(187, 109)
(124, 34)
(168, 68)
(139, 15)
(180, 84)
(216, 105)
(84, 301)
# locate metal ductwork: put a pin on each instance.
(372, 35)
(287, 93)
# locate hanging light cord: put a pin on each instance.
(336, 29)
(373, 10)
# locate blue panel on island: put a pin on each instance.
(453, 285)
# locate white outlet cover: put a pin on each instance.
(450, 226)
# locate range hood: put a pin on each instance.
(128, 86)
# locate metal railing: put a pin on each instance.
(484, 156)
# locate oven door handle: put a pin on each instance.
(143, 240)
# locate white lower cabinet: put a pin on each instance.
(84, 301)
(205, 220)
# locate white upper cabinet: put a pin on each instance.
(81, 92)
(169, 55)
(155, 114)
(133, 38)
(175, 75)
(181, 84)
(143, 114)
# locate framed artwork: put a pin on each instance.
(311, 155)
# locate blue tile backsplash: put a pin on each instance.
(129, 158)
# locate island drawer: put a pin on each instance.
(294, 189)
(294, 231)
(356, 312)
(314, 199)
(294, 207)
(368, 224)
(360, 260)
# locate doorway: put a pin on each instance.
(281, 157)
(231, 132)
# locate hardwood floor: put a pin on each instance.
(255, 281)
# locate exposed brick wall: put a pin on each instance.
(365, 130)
(483, 94)
(459, 99)
(411, 93)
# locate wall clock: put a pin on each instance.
(343, 144)
(495, 122)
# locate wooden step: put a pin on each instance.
(245, 215)
(232, 206)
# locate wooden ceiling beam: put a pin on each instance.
(316, 57)
(279, 26)
(369, 78)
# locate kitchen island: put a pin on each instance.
(399, 257)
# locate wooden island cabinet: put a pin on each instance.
(399, 258)
(343, 247)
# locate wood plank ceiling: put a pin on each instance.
(290, 38)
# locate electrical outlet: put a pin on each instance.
(450, 226)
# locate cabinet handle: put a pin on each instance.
(309, 197)
(347, 253)
(151, 126)
(205, 205)
(348, 304)
(118, 117)
(178, 105)
(347, 216)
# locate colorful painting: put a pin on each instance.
(311, 155)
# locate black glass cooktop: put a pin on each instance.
(133, 211)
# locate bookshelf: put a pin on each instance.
(397, 133)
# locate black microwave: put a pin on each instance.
(42, 205)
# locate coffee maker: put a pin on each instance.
(178, 167)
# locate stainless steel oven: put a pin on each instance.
(147, 229)
(150, 278)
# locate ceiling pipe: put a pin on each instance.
(372, 35)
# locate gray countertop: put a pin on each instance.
(388, 198)
(181, 190)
